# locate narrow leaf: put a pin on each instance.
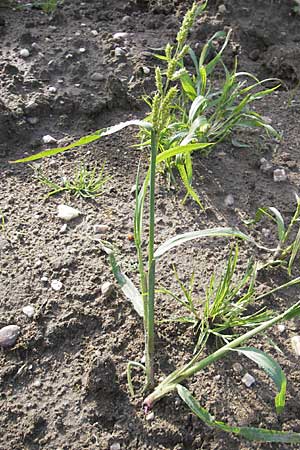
(272, 368)
(250, 433)
(181, 150)
(185, 237)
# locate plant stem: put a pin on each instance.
(194, 366)
(151, 266)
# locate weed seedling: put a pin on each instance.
(86, 183)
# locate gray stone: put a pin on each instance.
(96, 76)
(9, 335)
(107, 289)
(279, 175)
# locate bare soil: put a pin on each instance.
(63, 385)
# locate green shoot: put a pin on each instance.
(288, 242)
(85, 183)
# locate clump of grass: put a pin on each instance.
(86, 183)
(288, 247)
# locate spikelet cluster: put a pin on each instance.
(187, 23)
(158, 80)
(166, 106)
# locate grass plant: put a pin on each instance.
(288, 236)
(86, 183)
(166, 100)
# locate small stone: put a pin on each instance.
(107, 289)
(78, 33)
(81, 50)
(37, 383)
(150, 417)
(47, 139)
(266, 232)
(9, 335)
(229, 200)
(52, 89)
(35, 46)
(94, 32)
(146, 70)
(32, 120)
(115, 446)
(56, 285)
(237, 367)
(28, 310)
(265, 165)
(279, 175)
(24, 53)
(67, 213)
(120, 36)
(96, 76)
(44, 279)
(281, 328)
(222, 9)
(63, 228)
(248, 379)
(101, 228)
(119, 52)
(295, 340)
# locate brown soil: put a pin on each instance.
(63, 385)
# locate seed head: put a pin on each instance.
(171, 68)
(187, 23)
(166, 106)
(156, 111)
(158, 80)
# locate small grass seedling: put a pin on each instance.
(86, 183)
(288, 236)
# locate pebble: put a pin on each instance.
(266, 232)
(96, 76)
(146, 70)
(150, 417)
(29, 311)
(119, 52)
(107, 289)
(32, 120)
(94, 32)
(47, 139)
(229, 200)
(101, 228)
(237, 367)
(24, 53)
(52, 89)
(120, 36)
(279, 175)
(248, 379)
(265, 165)
(281, 328)
(67, 213)
(9, 335)
(222, 9)
(115, 446)
(295, 340)
(44, 279)
(81, 50)
(56, 285)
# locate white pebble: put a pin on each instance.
(32, 120)
(281, 328)
(28, 310)
(115, 446)
(24, 53)
(69, 55)
(248, 379)
(150, 417)
(47, 139)
(52, 89)
(266, 232)
(67, 213)
(295, 340)
(229, 200)
(35, 46)
(119, 52)
(222, 9)
(94, 32)
(56, 285)
(119, 36)
(279, 175)
(146, 70)
(96, 76)
(63, 228)
(77, 33)
(44, 279)
(107, 289)
(81, 50)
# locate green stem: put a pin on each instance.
(151, 266)
(194, 366)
